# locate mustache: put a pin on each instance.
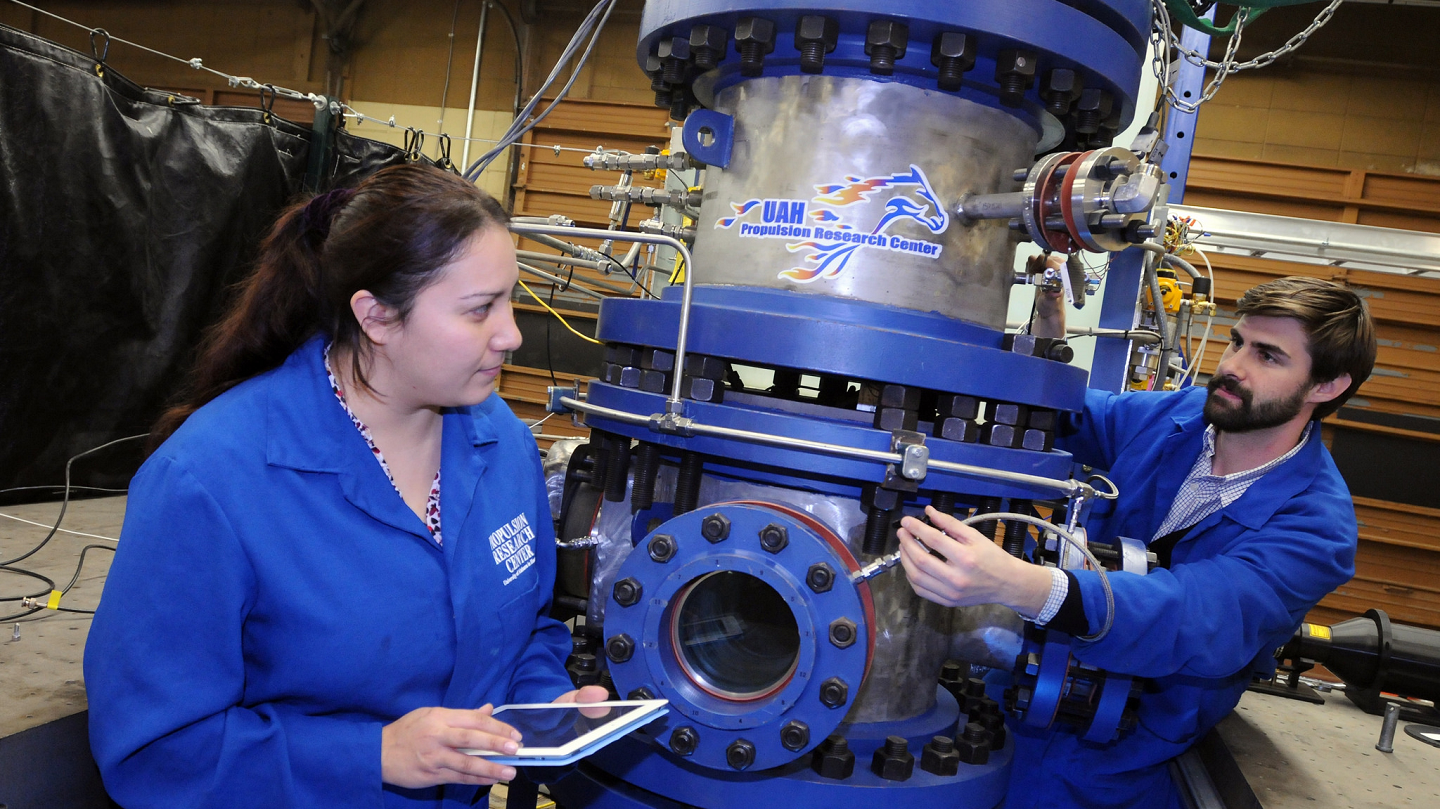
(1230, 385)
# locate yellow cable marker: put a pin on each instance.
(54, 601)
(557, 315)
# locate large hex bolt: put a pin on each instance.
(655, 69)
(940, 757)
(620, 648)
(885, 41)
(640, 693)
(684, 741)
(740, 754)
(715, 527)
(834, 692)
(898, 408)
(974, 745)
(952, 678)
(1060, 89)
(754, 37)
(954, 53)
(662, 548)
(994, 725)
(833, 758)
(974, 691)
(893, 760)
(583, 669)
(878, 503)
(627, 592)
(674, 54)
(1015, 71)
(707, 45)
(774, 538)
(1092, 108)
(815, 36)
(795, 735)
(842, 632)
(820, 577)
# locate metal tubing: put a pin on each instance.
(556, 279)
(558, 262)
(675, 404)
(474, 84)
(1070, 487)
(536, 256)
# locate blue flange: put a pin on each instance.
(814, 471)
(653, 777)
(823, 659)
(1103, 39)
(858, 339)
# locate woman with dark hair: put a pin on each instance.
(342, 547)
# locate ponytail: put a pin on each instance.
(390, 235)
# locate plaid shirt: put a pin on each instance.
(1200, 495)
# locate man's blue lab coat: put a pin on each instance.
(1239, 584)
(274, 602)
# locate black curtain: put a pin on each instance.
(126, 217)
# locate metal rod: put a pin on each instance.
(537, 256)
(674, 404)
(474, 84)
(558, 280)
(1068, 486)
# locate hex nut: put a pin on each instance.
(842, 632)
(817, 28)
(640, 693)
(893, 760)
(684, 741)
(755, 29)
(627, 592)
(715, 527)
(833, 758)
(940, 757)
(620, 648)
(953, 45)
(662, 548)
(740, 754)
(834, 692)
(774, 538)
(820, 577)
(795, 735)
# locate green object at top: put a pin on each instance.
(1181, 11)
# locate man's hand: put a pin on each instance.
(975, 570)
(587, 694)
(421, 748)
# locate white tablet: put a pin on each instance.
(560, 733)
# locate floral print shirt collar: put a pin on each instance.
(432, 504)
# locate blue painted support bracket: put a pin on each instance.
(709, 137)
(1180, 126)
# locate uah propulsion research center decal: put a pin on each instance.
(831, 227)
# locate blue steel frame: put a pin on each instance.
(1110, 369)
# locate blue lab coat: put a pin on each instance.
(274, 602)
(1239, 584)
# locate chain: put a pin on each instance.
(1165, 38)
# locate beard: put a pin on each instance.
(1247, 415)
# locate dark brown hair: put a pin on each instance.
(1337, 325)
(390, 235)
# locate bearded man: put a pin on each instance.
(1232, 488)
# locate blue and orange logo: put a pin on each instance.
(826, 228)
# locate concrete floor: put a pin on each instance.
(1297, 754)
(41, 671)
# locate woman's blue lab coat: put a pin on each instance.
(1238, 586)
(274, 602)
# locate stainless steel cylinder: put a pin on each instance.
(849, 187)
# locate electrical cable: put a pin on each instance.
(557, 315)
(65, 503)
